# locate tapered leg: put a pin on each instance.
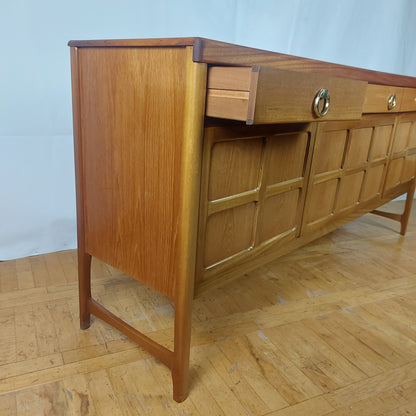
(180, 379)
(84, 282)
(407, 208)
(196, 76)
(180, 368)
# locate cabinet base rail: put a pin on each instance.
(404, 217)
(164, 355)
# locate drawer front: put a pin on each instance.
(263, 94)
(383, 99)
(409, 100)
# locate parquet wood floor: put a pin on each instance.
(329, 329)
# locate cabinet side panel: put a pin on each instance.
(132, 106)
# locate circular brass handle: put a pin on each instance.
(392, 102)
(321, 102)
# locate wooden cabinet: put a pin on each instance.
(197, 161)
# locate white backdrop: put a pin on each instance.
(37, 207)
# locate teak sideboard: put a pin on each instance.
(198, 161)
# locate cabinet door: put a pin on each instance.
(348, 168)
(253, 190)
(402, 166)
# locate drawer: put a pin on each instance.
(383, 99)
(262, 94)
(408, 100)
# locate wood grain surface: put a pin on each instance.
(131, 152)
(271, 95)
(216, 52)
(377, 98)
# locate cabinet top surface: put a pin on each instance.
(221, 53)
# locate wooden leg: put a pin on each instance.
(192, 143)
(407, 208)
(402, 218)
(182, 341)
(180, 368)
(180, 380)
(84, 282)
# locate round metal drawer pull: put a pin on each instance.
(321, 96)
(392, 102)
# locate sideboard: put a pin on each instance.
(198, 161)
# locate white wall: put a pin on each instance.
(37, 207)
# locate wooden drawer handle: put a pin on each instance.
(321, 102)
(392, 102)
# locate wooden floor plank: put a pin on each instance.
(66, 332)
(237, 351)
(407, 409)
(26, 341)
(372, 386)
(102, 394)
(317, 406)
(8, 406)
(280, 371)
(324, 366)
(402, 345)
(78, 396)
(46, 336)
(56, 273)
(202, 398)
(40, 272)
(374, 337)
(386, 402)
(56, 373)
(8, 277)
(224, 397)
(8, 336)
(30, 366)
(68, 262)
(231, 374)
(387, 313)
(367, 360)
(28, 402)
(48, 399)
